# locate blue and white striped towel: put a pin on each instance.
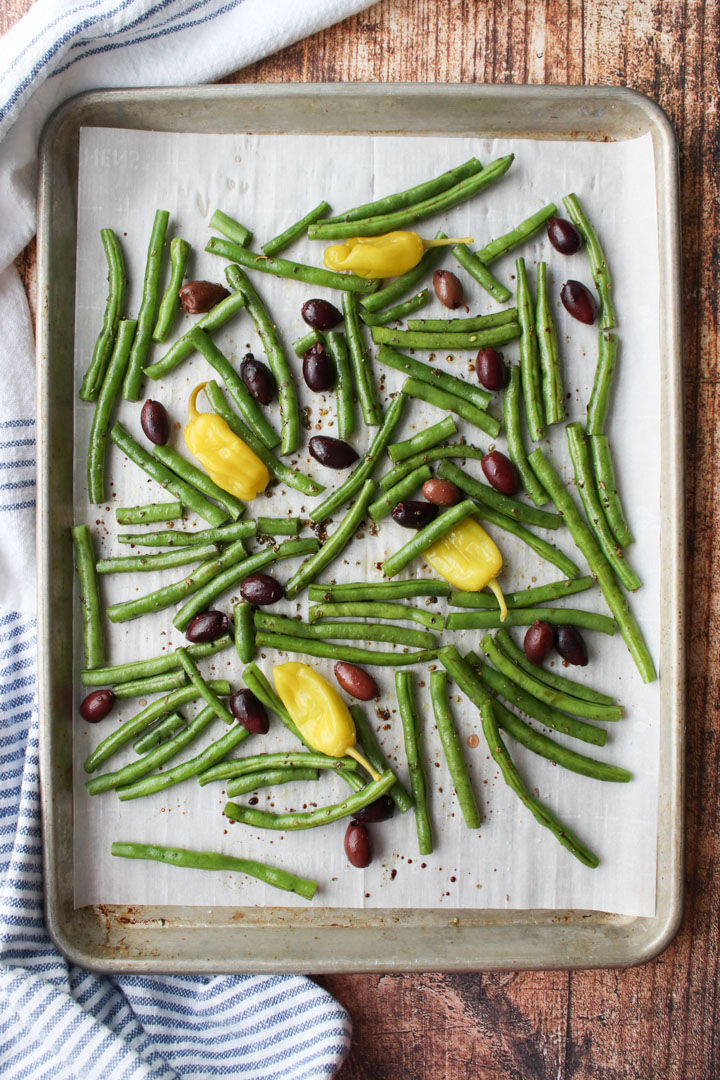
(57, 1020)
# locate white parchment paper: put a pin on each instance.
(267, 182)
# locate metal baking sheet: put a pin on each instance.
(122, 938)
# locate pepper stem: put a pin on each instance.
(354, 753)
(494, 587)
(453, 240)
(192, 408)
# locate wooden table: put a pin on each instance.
(657, 1022)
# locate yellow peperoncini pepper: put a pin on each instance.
(383, 256)
(469, 559)
(224, 456)
(318, 711)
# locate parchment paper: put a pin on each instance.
(267, 182)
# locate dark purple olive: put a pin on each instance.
(579, 302)
(414, 514)
(250, 712)
(380, 810)
(207, 626)
(155, 422)
(500, 472)
(197, 297)
(570, 644)
(441, 492)
(258, 379)
(332, 453)
(356, 681)
(320, 314)
(563, 236)
(318, 370)
(358, 847)
(261, 589)
(448, 288)
(490, 369)
(538, 641)
(96, 705)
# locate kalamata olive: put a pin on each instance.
(563, 236)
(96, 705)
(500, 472)
(207, 626)
(538, 641)
(250, 712)
(380, 810)
(448, 288)
(413, 514)
(358, 847)
(258, 379)
(320, 314)
(261, 589)
(198, 297)
(354, 680)
(332, 453)
(318, 370)
(490, 369)
(441, 492)
(578, 301)
(570, 643)
(155, 422)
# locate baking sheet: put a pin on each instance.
(511, 862)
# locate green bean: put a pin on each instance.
(596, 258)
(90, 603)
(412, 195)
(437, 453)
(178, 590)
(148, 307)
(453, 384)
(402, 285)
(380, 224)
(285, 238)
(369, 609)
(338, 351)
(395, 314)
(203, 688)
(433, 395)
(541, 547)
(361, 473)
(489, 620)
(93, 378)
(210, 860)
(453, 753)
(607, 489)
(231, 228)
(423, 440)
(529, 359)
(385, 503)
(585, 483)
(143, 669)
(154, 758)
(275, 353)
(360, 361)
(244, 632)
(164, 560)
(204, 596)
(459, 326)
(287, 526)
(309, 819)
(187, 494)
(334, 544)
(199, 479)
(142, 721)
(372, 750)
(183, 347)
(553, 394)
(599, 403)
(505, 504)
(515, 440)
(413, 750)
(251, 412)
(156, 684)
(284, 268)
(170, 303)
(540, 594)
(160, 733)
(313, 337)
(477, 270)
(378, 590)
(150, 512)
(512, 778)
(278, 469)
(330, 651)
(111, 385)
(270, 778)
(417, 339)
(344, 631)
(516, 236)
(426, 536)
(551, 678)
(287, 759)
(176, 538)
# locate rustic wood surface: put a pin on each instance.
(657, 1022)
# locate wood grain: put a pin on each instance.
(657, 1022)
